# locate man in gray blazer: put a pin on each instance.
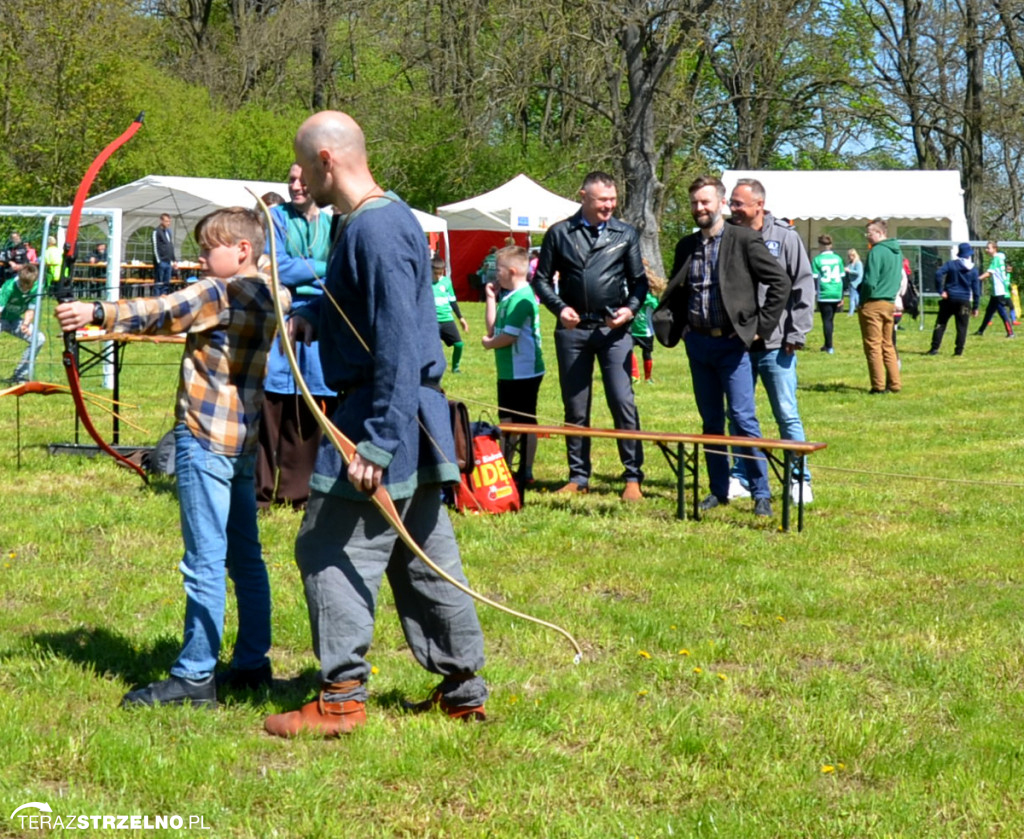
(712, 303)
(775, 364)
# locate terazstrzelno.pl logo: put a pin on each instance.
(38, 815)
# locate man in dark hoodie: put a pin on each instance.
(960, 289)
(883, 275)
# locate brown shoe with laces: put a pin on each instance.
(326, 719)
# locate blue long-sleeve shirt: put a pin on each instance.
(302, 247)
(391, 405)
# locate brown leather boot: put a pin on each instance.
(632, 492)
(327, 719)
(466, 713)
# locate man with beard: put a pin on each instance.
(289, 434)
(712, 303)
(379, 348)
(775, 365)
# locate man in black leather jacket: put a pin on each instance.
(601, 285)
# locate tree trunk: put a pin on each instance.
(973, 142)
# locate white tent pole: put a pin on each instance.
(113, 290)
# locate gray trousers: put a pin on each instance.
(343, 550)
(576, 350)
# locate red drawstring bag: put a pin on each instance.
(489, 488)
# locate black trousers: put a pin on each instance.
(952, 309)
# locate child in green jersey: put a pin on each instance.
(828, 270)
(513, 332)
(999, 296)
(447, 311)
(17, 298)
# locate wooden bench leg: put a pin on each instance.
(696, 481)
(787, 465)
(681, 482)
(677, 462)
(802, 476)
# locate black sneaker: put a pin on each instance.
(713, 501)
(235, 678)
(174, 691)
(763, 507)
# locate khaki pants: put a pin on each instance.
(876, 322)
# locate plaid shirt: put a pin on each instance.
(707, 310)
(229, 326)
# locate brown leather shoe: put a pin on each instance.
(571, 488)
(466, 713)
(632, 492)
(328, 719)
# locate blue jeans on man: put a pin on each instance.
(162, 281)
(721, 372)
(217, 497)
(777, 370)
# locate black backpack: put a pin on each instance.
(911, 300)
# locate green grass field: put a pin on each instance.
(861, 679)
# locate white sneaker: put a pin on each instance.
(794, 492)
(737, 490)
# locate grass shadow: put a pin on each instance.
(160, 484)
(833, 387)
(111, 654)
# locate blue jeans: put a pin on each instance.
(162, 280)
(217, 497)
(722, 375)
(777, 370)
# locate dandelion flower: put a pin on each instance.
(373, 670)
(644, 654)
(780, 619)
(698, 670)
(641, 693)
(684, 652)
(828, 768)
(721, 676)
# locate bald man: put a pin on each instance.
(384, 358)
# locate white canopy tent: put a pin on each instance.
(519, 206)
(186, 200)
(907, 199)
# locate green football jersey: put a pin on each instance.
(828, 270)
(519, 315)
(444, 294)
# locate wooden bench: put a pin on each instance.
(682, 451)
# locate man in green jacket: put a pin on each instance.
(883, 275)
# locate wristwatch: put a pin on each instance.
(98, 314)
